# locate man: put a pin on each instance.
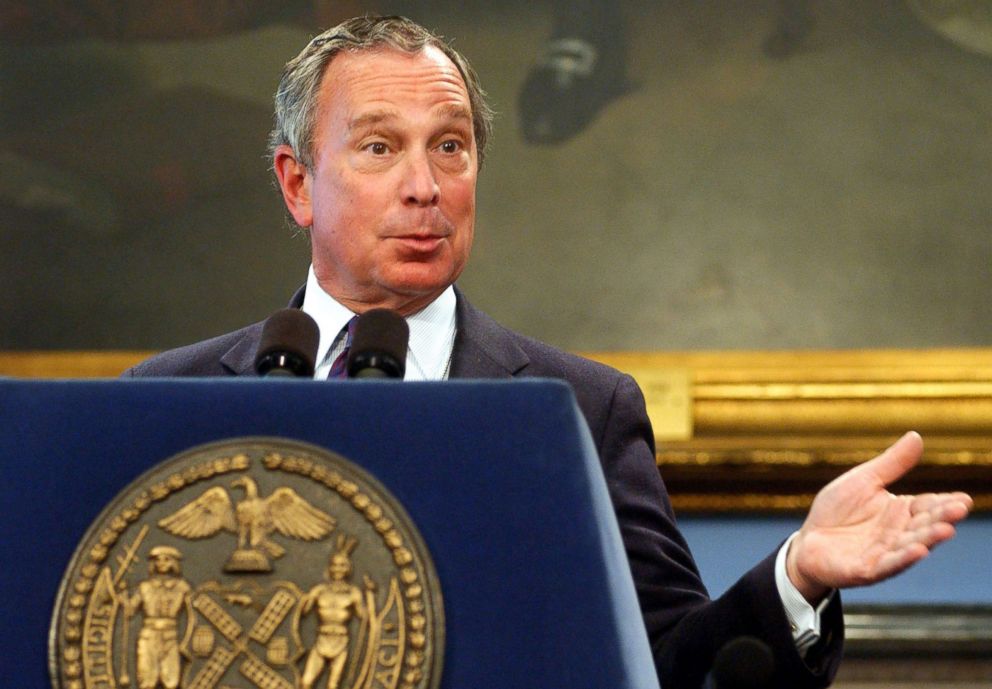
(380, 133)
(162, 598)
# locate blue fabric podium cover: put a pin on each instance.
(501, 479)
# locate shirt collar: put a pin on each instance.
(330, 315)
(432, 331)
(432, 338)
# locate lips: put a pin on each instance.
(421, 243)
(424, 234)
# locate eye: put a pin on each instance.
(377, 148)
(450, 146)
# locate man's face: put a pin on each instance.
(339, 567)
(165, 564)
(392, 189)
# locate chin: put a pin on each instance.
(421, 282)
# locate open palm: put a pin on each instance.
(859, 533)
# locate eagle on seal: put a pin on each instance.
(253, 519)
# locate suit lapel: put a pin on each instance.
(483, 348)
(239, 360)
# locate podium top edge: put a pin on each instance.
(460, 384)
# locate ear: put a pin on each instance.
(294, 182)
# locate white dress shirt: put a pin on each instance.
(432, 332)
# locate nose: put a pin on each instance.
(420, 185)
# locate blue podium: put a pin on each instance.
(500, 478)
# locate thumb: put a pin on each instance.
(897, 460)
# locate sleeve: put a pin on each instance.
(685, 627)
(804, 619)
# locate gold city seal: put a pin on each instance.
(258, 563)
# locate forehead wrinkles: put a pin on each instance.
(421, 79)
(380, 79)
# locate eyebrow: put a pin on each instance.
(375, 117)
(456, 112)
(370, 119)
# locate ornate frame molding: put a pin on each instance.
(762, 431)
(767, 429)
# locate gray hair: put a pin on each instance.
(296, 97)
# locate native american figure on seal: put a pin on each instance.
(337, 601)
(162, 598)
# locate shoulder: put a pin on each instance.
(489, 349)
(556, 362)
(605, 395)
(584, 375)
(228, 354)
(521, 355)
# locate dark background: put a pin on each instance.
(831, 191)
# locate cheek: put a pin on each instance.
(468, 223)
(461, 199)
(360, 204)
(340, 208)
(466, 247)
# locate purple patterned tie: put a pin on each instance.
(339, 369)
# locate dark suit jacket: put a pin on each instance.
(685, 627)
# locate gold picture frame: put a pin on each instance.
(768, 429)
(762, 431)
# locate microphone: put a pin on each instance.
(378, 345)
(288, 346)
(743, 663)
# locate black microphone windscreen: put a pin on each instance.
(743, 663)
(378, 345)
(288, 345)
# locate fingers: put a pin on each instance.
(927, 535)
(897, 460)
(949, 507)
(963, 498)
(926, 501)
(932, 517)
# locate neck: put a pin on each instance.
(404, 305)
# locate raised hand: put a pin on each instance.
(859, 533)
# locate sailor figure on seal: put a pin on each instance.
(161, 598)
